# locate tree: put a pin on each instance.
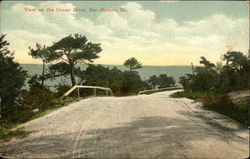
(166, 81)
(206, 63)
(43, 53)
(98, 75)
(235, 59)
(236, 71)
(121, 83)
(232, 76)
(69, 51)
(12, 78)
(162, 81)
(131, 82)
(153, 81)
(132, 64)
(185, 81)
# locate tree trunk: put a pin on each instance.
(73, 81)
(43, 73)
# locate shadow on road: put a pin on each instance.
(153, 136)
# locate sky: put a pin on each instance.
(155, 32)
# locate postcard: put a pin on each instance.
(124, 79)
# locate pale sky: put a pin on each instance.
(156, 33)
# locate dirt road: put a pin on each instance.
(145, 126)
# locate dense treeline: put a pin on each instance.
(212, 84)
(162, 81)
(121, 83)
(232, 76)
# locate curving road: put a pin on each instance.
(145, 126)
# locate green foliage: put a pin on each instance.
(37, 96)
(219, 103)
(131, 83)
(121, 83)
(132, 64)
(43, 53)
(224, 105)
(162, 81)
(153, 81)
(209, 84)
(235, 59)
(230, 77)
(6, 134)
(185, 81)
(69, 51)
(190, 94)
(206, 63)
(61, 89)
(23, 114)
(205, 79)
(166, 81)
(58, 69)
(98, 75)
(12, 78)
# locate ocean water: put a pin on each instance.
(145, 72)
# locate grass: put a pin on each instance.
(7, 127)
(7, 134)
(190, 95)
(221, 103)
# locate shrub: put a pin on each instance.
(131, 83)
(61, 89)
(224, 105)
(219, 103)
(37, 96)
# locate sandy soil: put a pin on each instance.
(145, 126)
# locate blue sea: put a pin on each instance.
(145, 72)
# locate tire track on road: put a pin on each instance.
(83, 130)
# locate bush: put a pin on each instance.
(37, 96)
(61, 89)
(190, 95)
(224, 105)
(219, 103)
(19, 115)
(131, 83)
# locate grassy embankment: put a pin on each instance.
(7, 126)
(221, 103)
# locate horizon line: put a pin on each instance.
(110, 64)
